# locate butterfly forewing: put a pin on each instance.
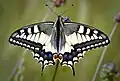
(86, 35)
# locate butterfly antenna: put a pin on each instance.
(51, 9)
(66, 10)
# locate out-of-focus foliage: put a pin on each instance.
(17, 13)
(109, 72)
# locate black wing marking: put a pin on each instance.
(81, 38)
(34, 37)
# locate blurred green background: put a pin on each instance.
(17, 13)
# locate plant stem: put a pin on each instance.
(55, 70)
(18, 66)
(103, 53)
(19, 74)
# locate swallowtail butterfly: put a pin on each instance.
(64, 41)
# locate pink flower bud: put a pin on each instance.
(117, 18)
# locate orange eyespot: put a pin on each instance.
(60, 56)
(55, 56)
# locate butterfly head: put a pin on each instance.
(60, 18)
(63, 19)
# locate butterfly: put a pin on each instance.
(61, 41)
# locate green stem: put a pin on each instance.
(103, 53)
(55, 70)
(19, 74)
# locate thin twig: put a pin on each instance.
(20, 69)
(20, 61)
(56, 68)
(103, 52)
